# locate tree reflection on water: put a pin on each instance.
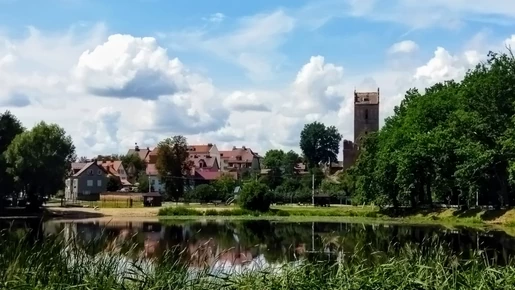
(249, 244)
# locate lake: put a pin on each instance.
(265, 243)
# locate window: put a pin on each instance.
(90, 172)
(365, 99)
(366, 114)
(99, 182)
(86, 192)
(90, 182)
(99, 172)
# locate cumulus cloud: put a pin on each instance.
(126, 66)
(317, 89)
(406, 46)
(444, 66)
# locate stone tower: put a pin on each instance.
(366, 114)
(366, 120)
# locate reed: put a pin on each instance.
(29, 261)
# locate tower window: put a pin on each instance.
(366, 114)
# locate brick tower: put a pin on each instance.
(366, 120)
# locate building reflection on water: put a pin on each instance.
(249, 244)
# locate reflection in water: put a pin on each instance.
(264, 243)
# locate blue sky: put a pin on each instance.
(236, 53)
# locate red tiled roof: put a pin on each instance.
(213, 175)
(142, 153)
(235, 154)
(200, 149)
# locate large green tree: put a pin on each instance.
(40, 159)
(173, 166)
(320, 144)
(454, 143)
(10, 127)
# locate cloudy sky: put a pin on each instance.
(229, 72)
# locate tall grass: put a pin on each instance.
(27, 262)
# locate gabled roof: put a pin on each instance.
(142, 153)
(110, 166)
(87, 166)
(237, 155)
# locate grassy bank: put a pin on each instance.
(54, 263)
(431, 216)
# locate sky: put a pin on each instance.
(234, 73)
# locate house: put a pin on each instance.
(153, 178)
(115, 168)
(240, 160)
(142, 153)
(86, 183)
(205, 156)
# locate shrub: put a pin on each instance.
(204, 192)
(255, 196)
(178, 211)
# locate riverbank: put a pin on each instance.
(471, 217)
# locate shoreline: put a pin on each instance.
(445, 217)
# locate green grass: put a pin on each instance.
(55, 263)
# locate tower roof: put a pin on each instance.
(371, 98)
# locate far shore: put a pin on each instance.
(473, 218)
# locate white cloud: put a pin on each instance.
(406, 46)
(126, 66)
(444, 66)
(97, 93)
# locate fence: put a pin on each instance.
(108, 200)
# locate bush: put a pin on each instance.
(178, 211)
(204, 193)
(255, 196)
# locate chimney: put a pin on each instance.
(210, 144)
(243, 147)
(136, 147)
(233, 147)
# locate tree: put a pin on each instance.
(320, 144)
(172, 165)
(255, 196)
(10, 127)
(290, 161)
(453, 144)
(134, 165)
(83, 159)
(143, 183)
(113, 183)
(224, 186)
(274, 161)
(40, 160)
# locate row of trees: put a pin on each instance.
(453, 143)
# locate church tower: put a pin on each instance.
(366, 114)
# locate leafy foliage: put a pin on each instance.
(224, 186)
(10, 127)
(320, 144)
(134, 166)
(454, 143)
(205, 193)
(113, 183)
(255, 196)
(40, 159)
(172, 165)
